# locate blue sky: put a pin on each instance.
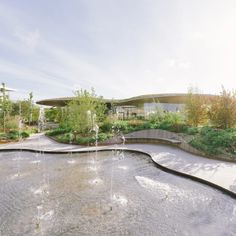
(122, 48)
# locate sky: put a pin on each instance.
(121, 48)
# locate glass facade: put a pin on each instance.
(153, 107)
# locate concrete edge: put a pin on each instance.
(159, 166)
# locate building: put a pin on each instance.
(139, 106)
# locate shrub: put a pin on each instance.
(15, 135)
(104, 136)
(12, 123)
(85, 140)
(106, 126)
(58, 131)
(121, 126)
(215, 141)
(191, 130)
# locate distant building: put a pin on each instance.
(141, 106)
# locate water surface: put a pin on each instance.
(107, 193)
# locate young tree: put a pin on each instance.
(196, 107)
(30, 112)
(85, 110)
(5, 107)
(222, 111)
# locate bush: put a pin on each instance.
(85, 140)
(205, 130)
(24, 134)
(191, 130)
(106, 126)
(215, 141)
(15, 135)
(12, 123)
(104, 136)
(121, 126)
(58, 131)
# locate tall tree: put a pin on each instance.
(30, 113)
(85, 110)
(222, 111)
(196, 107)
(5, 106)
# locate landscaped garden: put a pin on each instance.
(207, 125)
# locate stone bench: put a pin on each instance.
(152, 140)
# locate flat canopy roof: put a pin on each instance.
(6, 89)
(176, 98)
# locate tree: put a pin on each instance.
(26, 110)
(30, 113)
(53, 114)
(222, 111)
(196, 108)
(5, 107)
(85, 110)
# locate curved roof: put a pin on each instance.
(6, 89)
(176, 98)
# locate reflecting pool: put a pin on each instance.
(105, 193)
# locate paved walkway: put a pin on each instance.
(217, 172)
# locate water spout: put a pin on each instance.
(41, 120)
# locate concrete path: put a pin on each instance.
(217, 172)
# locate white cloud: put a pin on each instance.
(30, 39)
(118, 56)
(179, 64)
(30, 75)
(198, 36)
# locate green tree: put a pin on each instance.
(5, 107)
(222, 111)
(196, 108)
(26, 110)
(54, 114)
(30, 110)
(85, 110)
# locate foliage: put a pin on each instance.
(107, 125)
(26, 109)
(14, 135)
(215, 141)
(64, 135)
(196, 108)
(12, 123)
(222, 111)
(53, 114)
(191, 130)
(84, 111)
(172, 121)
(57, 131)
(5, 107)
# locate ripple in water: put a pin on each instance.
(116, 194)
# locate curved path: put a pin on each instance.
(217, 172)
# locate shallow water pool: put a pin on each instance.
(105, 193)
